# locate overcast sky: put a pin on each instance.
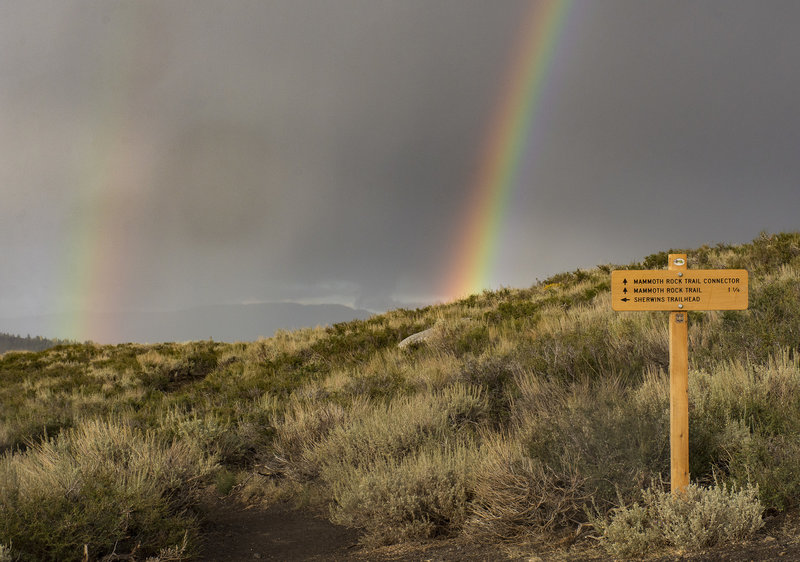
(166, 154)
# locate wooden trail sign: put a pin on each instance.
(678, 290)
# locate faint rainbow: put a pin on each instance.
(510, 132)
(96, 244)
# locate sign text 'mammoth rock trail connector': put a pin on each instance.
(678, 290)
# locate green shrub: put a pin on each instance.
(228, 441)
(303, 427)
(465, 338)
(695, 519)
(773, 463)
(520, 498)
(515, 310)
(771, 323)
(613, 439)
(768, 252)
(421, 496)
(631, 532)
(224, 480)
(380, 385)
(494, 375)
(101, 484)
(656, 261)
(745, 423)
(401, 428)
(193, 362)
(357, 340)
(397, 470)
(592, 342)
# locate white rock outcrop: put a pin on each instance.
(418, 338)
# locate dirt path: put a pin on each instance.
(279, 533)
(237, 533)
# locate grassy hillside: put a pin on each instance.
(526, 416)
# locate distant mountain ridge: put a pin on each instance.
(224, 323)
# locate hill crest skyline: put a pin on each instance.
(219, 322)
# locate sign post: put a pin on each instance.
(679, 290)
(678, 389)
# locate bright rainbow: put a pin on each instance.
(510, 133)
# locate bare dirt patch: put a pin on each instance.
(236, 532)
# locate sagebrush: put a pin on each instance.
(696, 518)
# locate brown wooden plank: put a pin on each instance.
(673, 290)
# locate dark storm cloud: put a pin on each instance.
(672, 125)
(289, 150)
(355, 108)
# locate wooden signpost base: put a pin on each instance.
(679, 290)
(678, 390)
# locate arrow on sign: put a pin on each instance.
(626, 299)
(625, 290)
(624, 281)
